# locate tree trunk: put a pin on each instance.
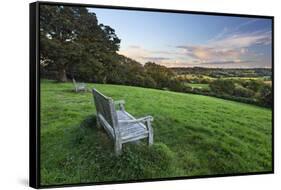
(62, 75)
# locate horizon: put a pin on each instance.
(244, 68)
(191, 40)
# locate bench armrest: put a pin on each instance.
(83, 85)
(120, 103)
(142, 119)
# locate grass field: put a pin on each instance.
(194, 135)
(198, 85)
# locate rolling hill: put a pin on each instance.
(194, 135)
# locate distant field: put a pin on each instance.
(268, 82)
(199, 86)
(248, 78)
(194, 135)
(196, 77)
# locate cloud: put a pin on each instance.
(227, 62)
(243, 40)
(143, 55)
(155, 59)
(227, 49)
(135, 47)
(135, 52)
(209, 53)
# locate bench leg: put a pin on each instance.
(150, 139)
(118, 148)
(150, 134)
(97, 122)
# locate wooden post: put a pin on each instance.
(150, 133)
(118, 147)
(97, 121)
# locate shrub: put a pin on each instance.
(254, 85)
(240, 91)
(265, 95)
(222, 86)
(149, 82)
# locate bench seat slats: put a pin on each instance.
(128, 131)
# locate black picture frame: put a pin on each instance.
(34, 91)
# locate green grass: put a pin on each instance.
(194, 135)
(198, 85)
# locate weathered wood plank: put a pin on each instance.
(107, 127)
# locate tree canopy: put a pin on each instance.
(72, 40)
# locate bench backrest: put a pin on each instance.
(105, 107)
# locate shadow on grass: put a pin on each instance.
(89, 121)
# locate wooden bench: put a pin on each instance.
(121, 126)
(79, 86)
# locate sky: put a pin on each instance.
(189, 40)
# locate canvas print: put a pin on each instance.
(128, 95)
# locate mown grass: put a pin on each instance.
(194, 135)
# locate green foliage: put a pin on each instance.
(160, 74)
(223, 86)
(72, 40)
(248, 91)
(253, 85)
(241, 91)
(265, 96)
(194, 135)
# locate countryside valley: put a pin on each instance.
(207, 121)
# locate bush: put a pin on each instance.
(205, 81)
(240, 91)
(175, 85)
(222, 86)
(265, 96)
(149, 82)
(254, 85)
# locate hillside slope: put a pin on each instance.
(194, 135)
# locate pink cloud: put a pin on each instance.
(227, 49)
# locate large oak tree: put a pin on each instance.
(71, 39)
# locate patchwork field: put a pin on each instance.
(194, 135)
(199, 86)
